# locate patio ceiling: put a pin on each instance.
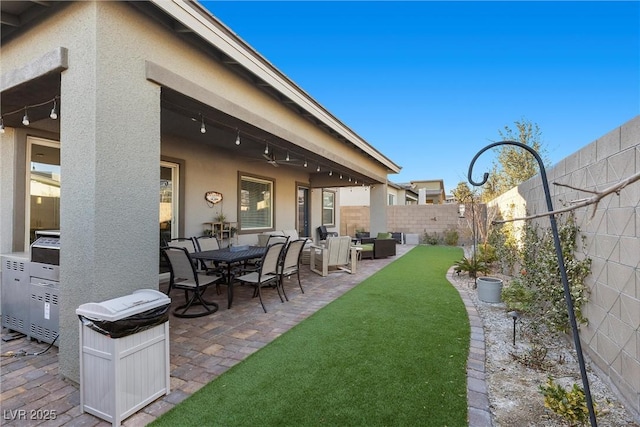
(181, 118)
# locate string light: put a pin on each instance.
(25, 119)
(53, 115)
(267, 149)
(203, 128)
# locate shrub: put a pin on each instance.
(487, 253)
(430, 239)
(518, 297)
(570, 405)
(541, 273)
(472, 265)
(451, 237)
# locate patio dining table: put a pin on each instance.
(230, 257)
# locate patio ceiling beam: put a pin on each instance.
(9, 19)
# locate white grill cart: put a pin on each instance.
(124, 354)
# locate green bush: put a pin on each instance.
(487, 253)
(541, 273)
(519, 297)
(430, 239)
(471, 265)
(451, 237)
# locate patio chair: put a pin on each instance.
(209, 243)
(266, 273)
(274, 238)
(184, 276)
(183, 242)
(290, 264)
(336, 254)
(383, 245)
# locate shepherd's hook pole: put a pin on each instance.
(563, 270)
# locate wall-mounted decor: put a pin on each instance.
(213, 197)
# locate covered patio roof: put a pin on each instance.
(181, 112)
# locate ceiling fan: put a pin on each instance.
(271, 159)
(275, 162)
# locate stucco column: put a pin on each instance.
(378, 206)
(7, 177)
(110, 153)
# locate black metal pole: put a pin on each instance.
(563, 270)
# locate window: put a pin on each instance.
(256, 203)
(392, 199)
(43, 190)
(328, 208)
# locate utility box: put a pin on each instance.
(15, 292)
(124, 354)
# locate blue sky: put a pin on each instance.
(429, 84)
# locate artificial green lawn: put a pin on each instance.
(392, 351)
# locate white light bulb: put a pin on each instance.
(318, 168)
(238, 139)
(305, 163)
(330, 173)
(287, 159)
(203, 129)
(25, 119)
(53, 115)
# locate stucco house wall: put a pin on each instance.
(612, 229)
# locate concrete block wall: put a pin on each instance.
(612, 230)
(412, 219)
(354, 218)
(421, 219)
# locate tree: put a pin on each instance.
(514, 165)
(463, 193)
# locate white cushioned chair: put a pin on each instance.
(337, 254)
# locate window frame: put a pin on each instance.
(271, 183)
(332, 195)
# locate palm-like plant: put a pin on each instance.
(473, 266)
